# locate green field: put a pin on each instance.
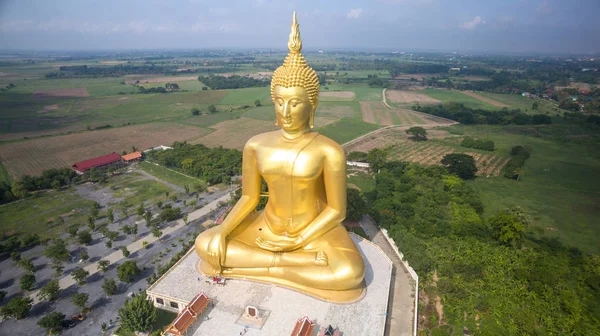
(247, 96)
(40, 213)
(347, 129)
(170, 176)
(458, 97)
(560, 187)
(135, 191)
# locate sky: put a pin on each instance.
(508, 26)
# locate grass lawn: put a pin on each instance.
(261, 113)
(168, 175)
(246, 96)
(560, 187)
(524, 103)
(134, 189)
(458, 97)
(4, 175)
(39, 213)
(364, 181)
(347, 129)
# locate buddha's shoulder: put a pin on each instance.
(328, 145)
(262, 138)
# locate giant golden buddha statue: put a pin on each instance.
(298, 240)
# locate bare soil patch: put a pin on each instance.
(162, 79)
(485, 99)
(60, 93)
(368, 115)
(475, 78)
(410, 97)
(333, 111)
(235, 133)
(385, 117)
(385, 138)
(49, 108)
(34, 156)
(338, 94)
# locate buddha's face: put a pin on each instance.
(292, 108)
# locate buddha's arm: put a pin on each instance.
(251, 181)
(334, 174)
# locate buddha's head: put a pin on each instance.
(295, 87)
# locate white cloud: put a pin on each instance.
(354, 13)
(473, 23)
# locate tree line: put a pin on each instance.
(469, 116)
(232, 82)
(496, 276)
(214, 165)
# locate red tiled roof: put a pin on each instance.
(303, 327)
(132, 156)
(182, 322)
(95, 162)
(198, 303)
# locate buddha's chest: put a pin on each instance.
(289, 162)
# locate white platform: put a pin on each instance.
(365, 317)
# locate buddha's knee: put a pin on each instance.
(348, 274)
(202, 242)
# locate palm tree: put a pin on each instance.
(518, 171)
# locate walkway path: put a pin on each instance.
(402, 290)
(67, 281)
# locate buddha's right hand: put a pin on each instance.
(216, 251)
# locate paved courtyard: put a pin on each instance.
(365, 317)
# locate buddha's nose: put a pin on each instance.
(286, 111)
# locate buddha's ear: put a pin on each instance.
(311, 119)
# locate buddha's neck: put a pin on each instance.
(295, 134)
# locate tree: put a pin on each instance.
(103, 265)
(80, 299)
(418, 133)
(2, 295)
(125, 251)
(134, 229)
(148, 217)
(27, 281)
(535, 106)
(58, 268)
(212, 109)
(169, 214)
(84, 255)
(126, 229)
(108, 243)
(145, 244)
(79, 275)
(140, 210)
(257, 103)
(467, 142)
(15, 256)
(84, 237)
(156, 232)
(110, 215)
(50, 291)
(18, 308)
(509, 228)
(199, 187)
(91, 222)
(356, 205)
(52, 322)
(109, 286)
(185, 219)
(73, 230)
(195, 111)
(57, 250)
(127, 271)
(26, 264)
(376, 158)
(186, 187)
(462, 165)
(138, 314)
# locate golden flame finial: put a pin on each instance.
(295, 43)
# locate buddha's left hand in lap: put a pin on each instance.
(282, 245)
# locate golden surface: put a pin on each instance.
(298, 240)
